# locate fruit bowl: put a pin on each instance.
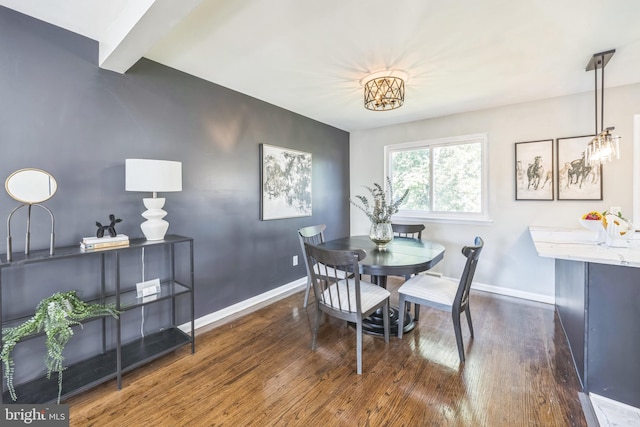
(591, 224)
(596, 226)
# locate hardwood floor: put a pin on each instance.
(259, 370)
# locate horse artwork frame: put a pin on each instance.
(576, 179)
(534, 174)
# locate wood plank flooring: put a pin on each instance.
(259, 370)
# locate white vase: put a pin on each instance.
(381, 234)
(617, 231)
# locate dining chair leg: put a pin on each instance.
(306, 294)
(468, 313)
(314, 335)
(385, 320)
(458, 331)
(416, 311)
(401, 312)
(359, 345)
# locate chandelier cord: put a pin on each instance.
(595, 79)
(601, 94)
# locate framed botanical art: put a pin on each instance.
(285, 177)
(534, 170)
(577, 180)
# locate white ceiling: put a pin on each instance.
(308, 56)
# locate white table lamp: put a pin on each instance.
(153, 176)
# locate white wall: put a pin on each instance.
(509, 261)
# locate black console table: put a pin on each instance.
(118, 358)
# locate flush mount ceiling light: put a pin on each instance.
(384, 90)
(604, 146)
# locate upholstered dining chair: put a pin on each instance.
(444, 294)
(314, 235)
(408, 230)
(348, 299)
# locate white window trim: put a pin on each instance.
(447, 217)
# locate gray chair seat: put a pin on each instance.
(339, 297)
(432, 289)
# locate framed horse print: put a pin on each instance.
(534, 170)
(577, 180)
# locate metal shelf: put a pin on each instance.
(111, 362)
(96, 370)
(42, 255)
(129, 299)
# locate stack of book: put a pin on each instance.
(99, 243)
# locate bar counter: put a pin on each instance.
(580, 245)
(597, 298)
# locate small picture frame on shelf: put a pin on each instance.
(577, 180)
(534, 170)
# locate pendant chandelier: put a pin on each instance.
(384, 90)
(604, 146)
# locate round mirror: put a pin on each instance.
(31, 185)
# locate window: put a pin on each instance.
(446, 178)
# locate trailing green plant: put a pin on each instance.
(54, 315)
(383, 205)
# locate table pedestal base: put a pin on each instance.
(374, 324)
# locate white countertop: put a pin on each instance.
(580, 245)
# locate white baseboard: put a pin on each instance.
(502, 291)
(613, 413)
(547, 299)
(247, 306)
(252, 304)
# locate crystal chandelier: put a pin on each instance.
(383, 92)
(604, 146)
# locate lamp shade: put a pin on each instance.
(153, 175)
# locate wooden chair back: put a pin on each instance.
(408, 230)
(340, 293)
(313, 235)
(472, 253)
(333, 292)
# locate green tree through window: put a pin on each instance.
(411, 170)
(457, 183)
(445, 177)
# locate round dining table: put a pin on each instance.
(404, 257)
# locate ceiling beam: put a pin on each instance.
(139, 27)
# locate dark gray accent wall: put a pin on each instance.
(60, 112)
